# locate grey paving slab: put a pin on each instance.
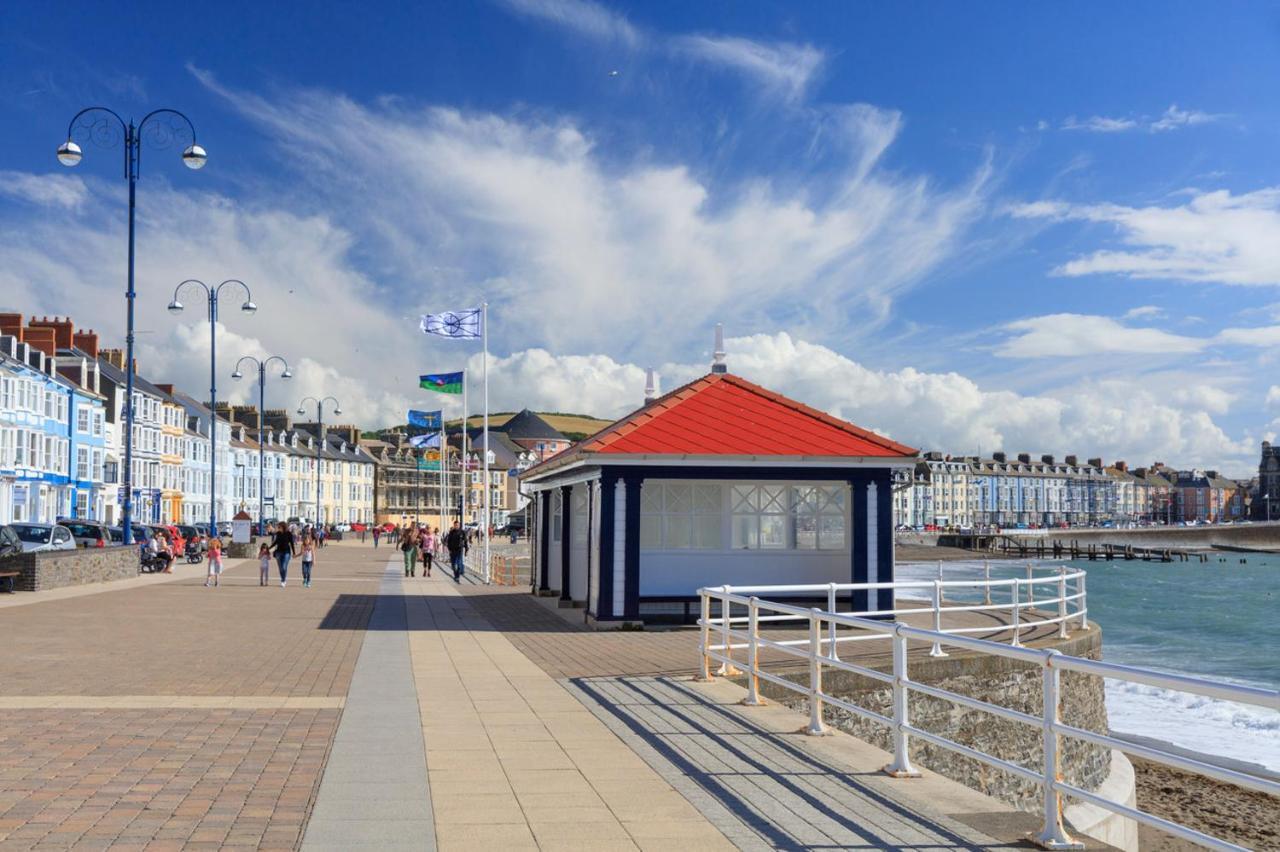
(761, 789)
(374, 792)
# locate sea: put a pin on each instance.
(1218, 619)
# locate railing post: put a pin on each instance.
(901, 766)
(1062, 602)
(704, 626)
(936, 650)
(831, 626)
(753, 698)
(816, 728)
(986, 590)
(1082, 603)
(1015, 607)
(1053, 835)
(727, 668)
(940, 580)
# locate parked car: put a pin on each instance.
(190, 533)
(37, 538)
(140, 534)
(10, 543)
(88, 533)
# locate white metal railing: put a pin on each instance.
(1051, 662)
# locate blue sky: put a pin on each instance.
(1009, 226)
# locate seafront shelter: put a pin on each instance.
(719, 482)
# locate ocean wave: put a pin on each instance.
(1202, 724)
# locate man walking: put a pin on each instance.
(377, 534)
(456, 543)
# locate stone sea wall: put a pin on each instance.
(39, 571)
(996, 680)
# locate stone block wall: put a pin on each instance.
(996, 680)
(39, 571)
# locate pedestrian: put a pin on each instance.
(363, 529)
(320, 534)
(430, 544)
(160, 547)
(456, 543)
(377, 534)
(215, 562)
(264, 563)
(515, 535)
(409, 547)
(308, 560)
(284, 546)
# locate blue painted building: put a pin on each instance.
(34, 443)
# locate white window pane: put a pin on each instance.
(746, 532)
(773, 532)
(650, 499)
(707, 532)
(745, 498)
(806, 532)
(679, 532)
(831, 532)
(678, 498)
(773, 498)
(650, 531)
(706, 498)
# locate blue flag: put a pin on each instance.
(424, 419)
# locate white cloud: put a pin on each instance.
(1144, 312)
(46, 190)
(528, 214)
(1273, 396)
(781, 67)
(1068, 335)
(1171, 119)
(1216, 236)
(1160, 416)
(582, 16)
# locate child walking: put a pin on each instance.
(215, 561)
(308, 558)
(264, 564)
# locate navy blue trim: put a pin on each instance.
(858, 520)
(604, 610)
(631, 608)
(884, 539)
(566, 512)
(544, 533)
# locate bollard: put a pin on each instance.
(704, 626)
(753, 698)
(1016, 615)
(816, 728)
(831, 628)
(1062, 602)
(936, 650)
(901, 766)
(1053, 835)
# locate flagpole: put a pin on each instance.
(464, 484)
(441, 481)
(488, 517)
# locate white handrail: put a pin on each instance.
(1051, 662)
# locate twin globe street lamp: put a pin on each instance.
(337, 409)
(176, 307)
(105, 127)
(262, 411)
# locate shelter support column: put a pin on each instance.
(631, 549)
(860, 600)
(544, 540)
(611, 491)
(566, 542)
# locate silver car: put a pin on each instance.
(40, 537)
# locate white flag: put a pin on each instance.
(460, 325)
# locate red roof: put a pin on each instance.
(725, 415)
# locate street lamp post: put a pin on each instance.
(262, 410)
(337, 409)
(176, 307)
(104, 127)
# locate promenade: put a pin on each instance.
(380, 712)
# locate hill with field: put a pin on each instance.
(575, 427)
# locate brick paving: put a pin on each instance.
(183, 773)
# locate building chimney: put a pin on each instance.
(1000, 457)
(11, 324)
(1074, 461)
(167, 388)
(41, 338)
(1121, 465)
(277, 419)
(1025, 458)
(115, 357)
(248, 415)
(86, 342)
(1095, 462)
(63, 329)
(650, 386)
(717, 363)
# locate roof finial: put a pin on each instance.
(718, 365)
(650, 386)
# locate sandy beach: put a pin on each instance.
(1241, 816)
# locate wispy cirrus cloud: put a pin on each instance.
(45, 190)
(1214, 237)
(1172, 118)
(582, 16)
(1068, 335)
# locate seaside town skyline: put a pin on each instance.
(1058, 269)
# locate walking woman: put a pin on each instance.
(409, 546)
(308, 559)
(284, 548)
(430, 544)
